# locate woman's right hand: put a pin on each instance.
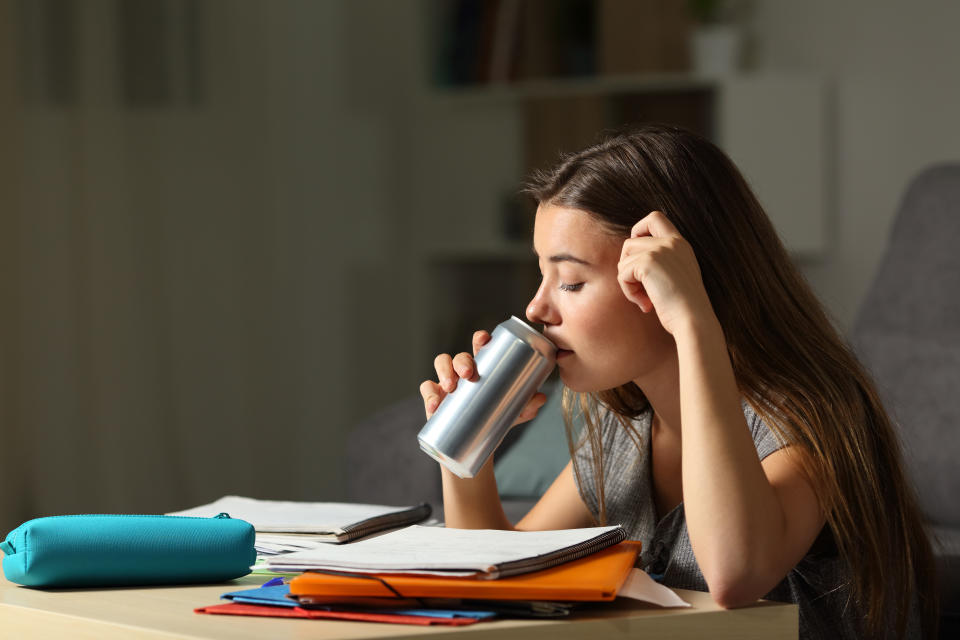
(451, 369)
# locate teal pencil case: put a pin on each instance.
(120, 550)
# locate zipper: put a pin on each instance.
(7, 547)
(220, 516)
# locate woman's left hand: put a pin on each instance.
(658, 271)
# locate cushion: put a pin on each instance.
(916, 284)
(919, 381)
(538, 455)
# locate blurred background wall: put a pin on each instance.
(231, 229)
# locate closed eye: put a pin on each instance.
(571, 287)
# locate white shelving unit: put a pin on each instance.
(567, 87)
(774, 126)
(472, 156)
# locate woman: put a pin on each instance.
(735, 433)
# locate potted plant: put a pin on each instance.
(716, 40)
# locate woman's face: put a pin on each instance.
(604, 339)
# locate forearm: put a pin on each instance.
(733, 514)
(473, 503)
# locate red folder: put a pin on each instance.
(596, 577)
(237, 609)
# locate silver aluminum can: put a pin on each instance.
(472, 421)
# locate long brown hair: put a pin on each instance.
(789, 361)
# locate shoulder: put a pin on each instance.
(608, 427)
(618, 441)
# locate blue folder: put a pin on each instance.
(273, 594)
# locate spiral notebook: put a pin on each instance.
(316, 521)
(435, 550)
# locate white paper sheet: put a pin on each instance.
(640, 586)
(433, 548)
(274, 543)
(291, 517)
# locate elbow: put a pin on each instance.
(730, 597)
(731, 592)
(739, 579)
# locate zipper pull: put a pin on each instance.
(222, 515)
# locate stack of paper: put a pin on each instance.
(284, 526)
(428, 575)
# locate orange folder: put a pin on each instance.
(596, 577)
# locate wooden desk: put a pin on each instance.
(167, 612)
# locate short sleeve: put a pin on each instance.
(764, 439)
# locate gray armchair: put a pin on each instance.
(908, 334)
(384, 462)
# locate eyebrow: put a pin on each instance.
(566, 257)
(562, 257)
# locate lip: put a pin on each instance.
(562, 350)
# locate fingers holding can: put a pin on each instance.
(432, 394)
(465, 366)
(480, 338)
(450, 369)
(530, 410)
(446, 375)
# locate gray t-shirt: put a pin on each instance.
(818, 584)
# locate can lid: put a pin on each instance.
(531, 336)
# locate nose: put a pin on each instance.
(540, 310)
